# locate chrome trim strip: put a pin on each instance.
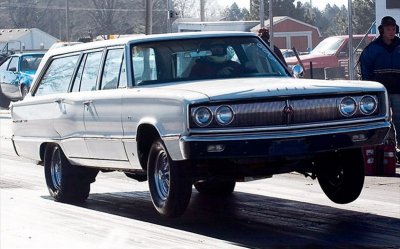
(285, 134)
(339, 124)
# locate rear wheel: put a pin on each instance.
(66, 182)
(341, 176)
(170, 182)
(220, 187)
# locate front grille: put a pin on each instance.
(286, 111)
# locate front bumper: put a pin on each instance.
(298, 143)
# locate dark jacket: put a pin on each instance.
(381, 62)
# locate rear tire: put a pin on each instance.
(66, 182)
(341, 176)
(220, 187)
(170, 182)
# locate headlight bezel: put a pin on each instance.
(341, 109)
(362, 110)
(218, 118)
(196, 119)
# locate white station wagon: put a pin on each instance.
(202, 109)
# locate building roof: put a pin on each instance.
(279, 19)
(7, 35)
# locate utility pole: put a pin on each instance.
(169, 15)
(262, 14)
(351, 54)
(66, 21)
(202, 10)
(271, 26)
(149, 17)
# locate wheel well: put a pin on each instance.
(146, 135)
(43, 148)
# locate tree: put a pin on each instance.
(364, 15)
(234, 13)
(340, 24)
(279, 8)
(28, 13)
(186, 8)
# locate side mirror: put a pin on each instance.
(12, 69)
(298, 71)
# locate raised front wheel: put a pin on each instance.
(341, 175)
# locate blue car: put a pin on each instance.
(16, 74)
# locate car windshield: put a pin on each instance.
(30, 63)
(328, 46)
(211, 58)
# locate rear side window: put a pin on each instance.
(112, 68)
(90, 71)
(57, 76)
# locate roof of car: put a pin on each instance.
(156, 37)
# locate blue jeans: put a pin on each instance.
(394, 100)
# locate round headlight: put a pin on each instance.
(368, 105)
(347, 106)
(202, 116)
(224, 115)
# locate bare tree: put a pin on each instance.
(187, 8)
(28, 13)
(103, 16)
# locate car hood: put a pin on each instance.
(307, 58)
(249, 88)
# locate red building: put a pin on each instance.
(289, 32)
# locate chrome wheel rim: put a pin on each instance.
(55, 170)
(162, 175)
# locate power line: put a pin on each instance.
(74, 8)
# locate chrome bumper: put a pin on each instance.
(296, 143)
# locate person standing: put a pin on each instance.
(264, 34)
(380, 61)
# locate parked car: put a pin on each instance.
(16, 74)
(134, 105)
(331, 54)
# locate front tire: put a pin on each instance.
(341, 176)
(170, 182)
(66, 182)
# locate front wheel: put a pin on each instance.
(66, 182)
(170, 182)
(341, 176)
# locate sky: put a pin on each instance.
(320, 4)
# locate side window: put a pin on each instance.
(4, 65)
(144, 66)
(90, 71)
(111, 69)
(13, 64)
(77, 81)
(57, 76)
(123, 82)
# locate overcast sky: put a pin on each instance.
(320, 4)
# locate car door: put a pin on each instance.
(69, 109)
(9, 78)
(52, 112)
(102, 106)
